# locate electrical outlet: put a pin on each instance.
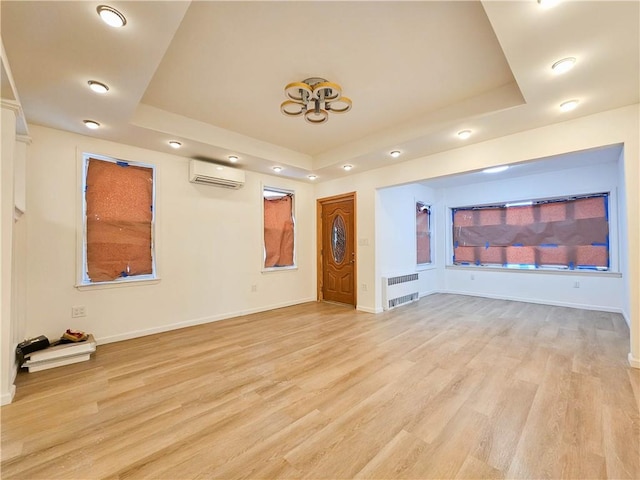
(254, 288)
(473, 277)
(364, 287)
(576, 284)
(78, 311)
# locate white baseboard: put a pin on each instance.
(7, 397)
(626, 317)
(196, 321)
(369, 310)
(633, 361)
(598, 308)
(430, 292)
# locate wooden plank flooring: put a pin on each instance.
(447, 387)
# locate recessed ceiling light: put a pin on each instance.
(548, 3)
(312, 177)
(568, 105)
(98, 87)
(395, 153)
(564, 65)
(174, 144)
(219, 168)
(91, 124)
(111, 16)
(347, 167)
(464, 134)
(232, 158)
(499, 169)
(276, 169)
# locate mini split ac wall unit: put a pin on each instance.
(206, 173)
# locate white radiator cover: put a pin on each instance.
(399, 290)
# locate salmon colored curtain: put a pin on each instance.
(569, 233)
(119, 200)
(278, 231)
(423, 240)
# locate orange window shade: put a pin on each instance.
(571, 233)
(491, 216)
(553, 212)
(423, 239)
(119, 202)
(520, 216)
(278, 231)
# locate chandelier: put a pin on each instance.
(314, 97)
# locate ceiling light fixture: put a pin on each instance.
(276, 169)
(563, 66)
(499, 169)
(98, 87)
(464, 134)
(111, 16)
(568, 105)
(314, 97)
(312, 177)
(174, 144)
(395, 153)
(91, 124)
(347, 167)
(232, 158)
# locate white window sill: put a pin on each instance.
(279, 269)
(538, 271)
(424, 267)
(117, 284)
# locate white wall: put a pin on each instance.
(623, 231)
(395, 233)
(606, 128)
(208, 247)
(12, 246)
(7, 345)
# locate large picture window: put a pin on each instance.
(567, 233)
(279, 228)
(423, 233)
(118, 220)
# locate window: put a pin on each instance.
(568, 233)
(423, 233)
(279, 228)
(118, 220)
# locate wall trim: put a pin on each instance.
(633, 361)
(196, 321)
(369, 309)
(598, 308)
(7, 397)
(428, 292)
(24, 139)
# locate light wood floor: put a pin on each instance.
(448, 387)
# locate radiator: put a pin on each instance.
(399, 290)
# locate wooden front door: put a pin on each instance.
(337, 254)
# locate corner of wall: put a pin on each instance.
(633, 361)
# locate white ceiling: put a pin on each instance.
(211, 74)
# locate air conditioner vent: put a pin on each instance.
(206, 173)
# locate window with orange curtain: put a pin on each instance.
(279, 228)
(567, 233)
(423, 233)
(118, 219)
